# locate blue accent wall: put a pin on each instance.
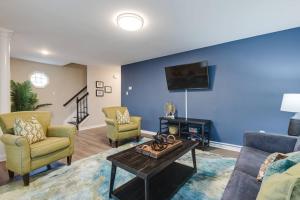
(249, 77)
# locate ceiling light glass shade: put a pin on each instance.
(130, 21)
(45, 52)
(290, 103)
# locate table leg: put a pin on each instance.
(203, 137)
(147, 192)
(194, 159)
(112, 179)
(159, 125)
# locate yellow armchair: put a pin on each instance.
(117, 132)
(22, 157)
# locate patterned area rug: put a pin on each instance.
(88, 179)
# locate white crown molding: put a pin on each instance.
(221, 145)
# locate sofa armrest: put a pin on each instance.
(270, 142)
(17, 151)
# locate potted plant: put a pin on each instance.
(23, 98)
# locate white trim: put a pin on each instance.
(227, 146)
(148, 132)
(91, 127)
(221, 145)
(186, 103)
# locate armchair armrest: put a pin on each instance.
(17, 151)
(137, 119)
(61, 131)
(15, 140)
(111, 122)
(270, 142)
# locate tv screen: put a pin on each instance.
(188, 76)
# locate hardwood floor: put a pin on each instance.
(90, 142)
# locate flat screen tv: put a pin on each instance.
(188, 76)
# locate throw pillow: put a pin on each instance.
(270, 159)
(281, 186)
(282, 165)
(31, 129)
(123, 118)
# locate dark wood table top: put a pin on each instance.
(188, 120)
(144, 166)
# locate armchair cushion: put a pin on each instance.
(123, 118)
(128, 127)
(31, 129)
(49, 145)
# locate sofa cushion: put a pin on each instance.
(250, 160)
(128, 127)
(280, 166)
(270, 159)
(241, 186)
(49, 145)
(282, 186)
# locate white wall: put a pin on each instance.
(105, 74)
(64, 82)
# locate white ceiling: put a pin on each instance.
(83, 31)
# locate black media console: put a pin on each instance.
(193, 129)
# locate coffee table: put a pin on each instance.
(156, 179)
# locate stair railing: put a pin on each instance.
(81, 109)
(76, 95)
(81, 106)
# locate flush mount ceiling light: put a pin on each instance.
(130, 21)
(45, 52)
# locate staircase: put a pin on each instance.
(81, 100)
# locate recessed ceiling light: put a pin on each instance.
(130, 21)
(45, 52)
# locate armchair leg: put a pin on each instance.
(49, 167)
(26, 179)
(110, 142)
(69, 160)
(116, 144)
(137, 138)
(11, 174)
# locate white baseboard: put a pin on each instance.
(91, 127)
(227, 146)
(148, 132)
(221, 145)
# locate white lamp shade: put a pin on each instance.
(290, 103)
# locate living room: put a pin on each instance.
(150, 100)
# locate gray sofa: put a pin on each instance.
(257, 146)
